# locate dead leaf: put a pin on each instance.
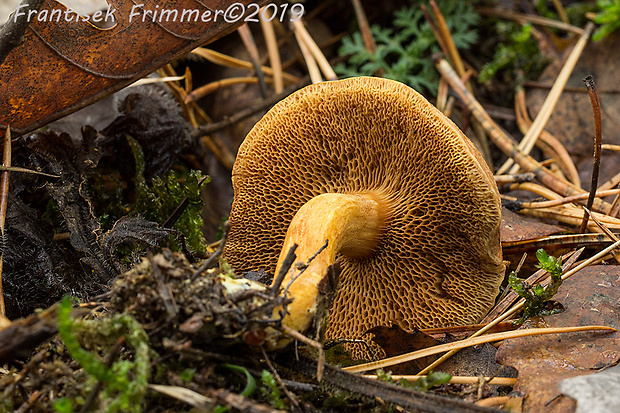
(64, 66)
(590, 297)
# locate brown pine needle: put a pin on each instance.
(4, 202)
(501, 381)
(474, 341)
(273, 51)
(314, 49)
(228, 61)
(598, 142)
(209, 88)
(566, 200)
(311, 64)
(531, 18)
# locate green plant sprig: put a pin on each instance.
(536, 296)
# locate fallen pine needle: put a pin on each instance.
(474, 341)
(501, 381)
(518, 306)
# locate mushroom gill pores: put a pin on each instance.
(408, 205)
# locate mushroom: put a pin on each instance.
(406, 203)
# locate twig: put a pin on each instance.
(500, 381)
(246, 113)
(562, 201)
(250, 45)
(286, 265)
(506, 144)
(13, 31)
(273, 52)
(4, 201)
(568, 261)
(473, 341)
(211, 87)
(309, 342)
(278, 379)
(591, 240)
(516, 178)
(598, 142)
(532, 18)
(455, 58)
(607, 232)
(528, 141)
(172, 219)
(210, 262)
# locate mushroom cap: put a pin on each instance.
(439, 260)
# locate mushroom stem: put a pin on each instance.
(350, 223)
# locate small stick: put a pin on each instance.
(590, 240)
(309, 342)
(500, 381)
(532, 18)
(99, 385)
(457, 62)
(561, 11)
(598, 142)
(362, 23)
(4, 202)
(563, 157)
(273, 52)
(246, 113)
(568, 261)
(286, 265)
(211, 87)
(289, 394)
(566, 200)
(607, 232)
(210, 262)
(514, 179)
(250, 45)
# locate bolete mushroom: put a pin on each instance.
(407, 204)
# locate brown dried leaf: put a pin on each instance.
(63, 66)
(590, 298)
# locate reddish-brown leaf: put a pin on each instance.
(64, 66)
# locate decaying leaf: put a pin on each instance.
(65, 65)
(590, 297)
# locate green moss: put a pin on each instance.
(156, 201)
(126, 381)
(536, 296)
